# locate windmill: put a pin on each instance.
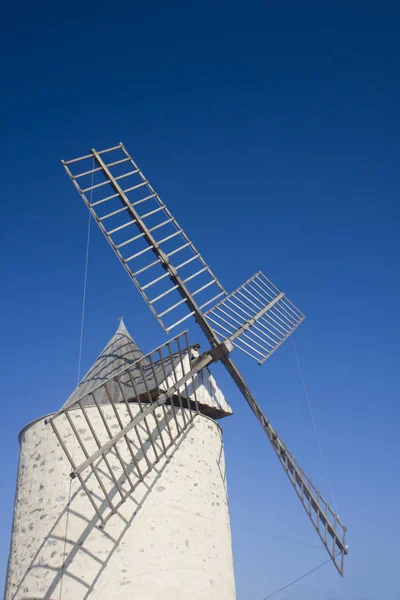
(168, 387)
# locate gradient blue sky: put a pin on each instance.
(273, 136)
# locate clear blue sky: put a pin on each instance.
(273, 136)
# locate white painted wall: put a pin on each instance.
(169, 541)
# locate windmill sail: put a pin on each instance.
(169, 272)
(257, 318)
(115, 434)
(325, 521)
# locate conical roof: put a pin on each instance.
(120, 352)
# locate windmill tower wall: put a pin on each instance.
(170, 539)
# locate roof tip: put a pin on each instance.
(121, 326)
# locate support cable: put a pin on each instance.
(285, 587)
(315, 428)
(85, 285)
(79, 373)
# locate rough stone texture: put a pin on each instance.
(169, 540)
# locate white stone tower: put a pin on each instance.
(169, 539)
